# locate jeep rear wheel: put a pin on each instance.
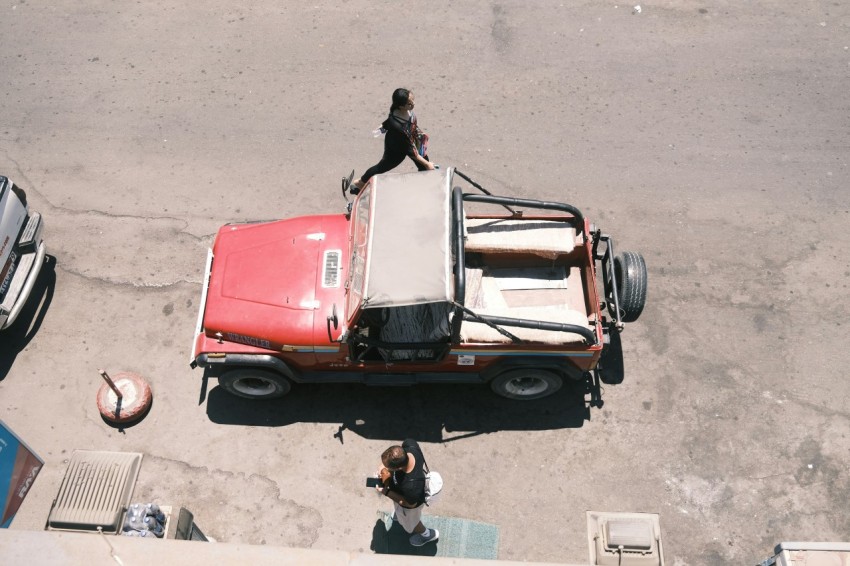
(526, 384)
(254, 383)
(630, 274)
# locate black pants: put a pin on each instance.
(387, 163)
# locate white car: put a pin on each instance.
(22, 251)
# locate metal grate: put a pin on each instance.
(28, 236)
(95, 491)
(330, 272)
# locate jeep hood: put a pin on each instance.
(262, 287)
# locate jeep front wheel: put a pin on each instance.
(254, 383)
(526, 384)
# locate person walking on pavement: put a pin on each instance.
(401, 140)
(403, 477)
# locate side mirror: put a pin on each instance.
(335, 319)
(346, 183)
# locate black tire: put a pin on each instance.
(526, 384)
(254, 383)
(630, 274)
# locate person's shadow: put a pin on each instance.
(15, 338)
(397, 541)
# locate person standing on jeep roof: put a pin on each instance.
(403, 476)
(400, 141)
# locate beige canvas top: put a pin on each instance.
(409, 259)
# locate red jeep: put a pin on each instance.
(410, 286)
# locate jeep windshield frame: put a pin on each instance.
(359, 248)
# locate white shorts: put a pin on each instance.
(408, 518)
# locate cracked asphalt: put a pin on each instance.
(710, 136)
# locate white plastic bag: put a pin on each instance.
(433, 487)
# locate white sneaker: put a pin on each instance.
(419, 540)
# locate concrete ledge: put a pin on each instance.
(61, 549)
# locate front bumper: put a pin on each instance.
(21, 285)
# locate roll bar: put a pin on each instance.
(461, 311)
(529, 203)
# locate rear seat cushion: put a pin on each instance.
(544, 238)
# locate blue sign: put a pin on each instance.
(18, 468)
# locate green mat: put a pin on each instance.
(459, 538)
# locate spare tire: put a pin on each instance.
(630, 274)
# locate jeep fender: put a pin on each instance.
(561, 366)
(252, 360)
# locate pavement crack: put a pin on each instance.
(130, 284)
